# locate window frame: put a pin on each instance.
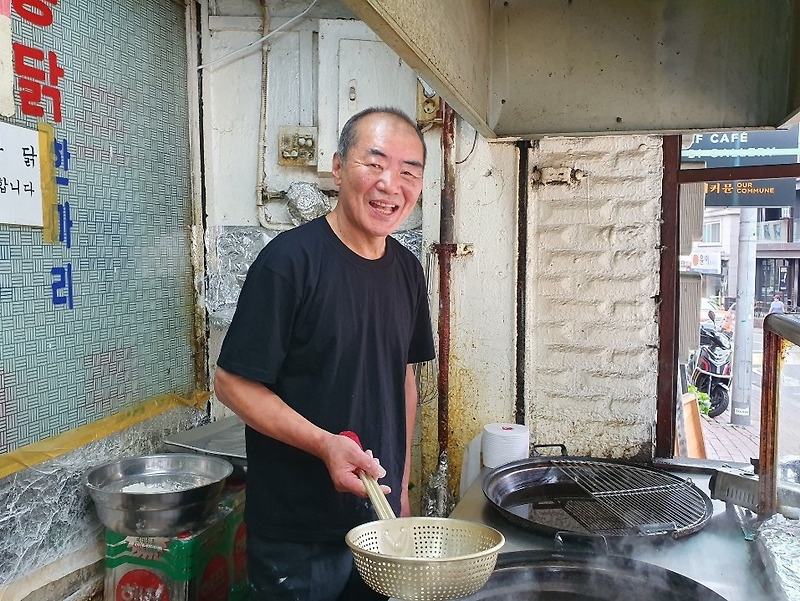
(673, 176)
(711, 224)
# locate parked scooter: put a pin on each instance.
(710, 366)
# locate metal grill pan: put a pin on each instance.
(600, 497)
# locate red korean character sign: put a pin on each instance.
(7, 105)
(38, 74)
(38, 12)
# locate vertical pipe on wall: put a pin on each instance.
(262, 118)
(666, 407)
(445, 250)
(768, 444)
(198, 218)
(522, 265)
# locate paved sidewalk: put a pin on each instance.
(727, 442)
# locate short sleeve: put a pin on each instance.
(257, 340)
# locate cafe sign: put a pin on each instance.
(742, 149)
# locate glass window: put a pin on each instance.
(711, 232)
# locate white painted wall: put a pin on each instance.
(483, 296)
(592, 278)
(231, 99)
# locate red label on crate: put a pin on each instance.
(141, 585)
(147, 547)
(216, 582)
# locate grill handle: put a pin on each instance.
(658, 528)
(566, 542)
(561, 446)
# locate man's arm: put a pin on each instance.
(265, 411)
(411, 416)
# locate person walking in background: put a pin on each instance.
(330, 319)
(776, 306)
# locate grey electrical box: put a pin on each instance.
(297, 146)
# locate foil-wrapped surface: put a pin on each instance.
(46, 512)
(438, 500)
(412, 240)
(778, 543)
(231, 251)
(305, 202)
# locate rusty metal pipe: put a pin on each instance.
(445, 250)
(443, 381)
(523, 147)
(768, 435)
(668, 300)
(780, 331)
(447, 207)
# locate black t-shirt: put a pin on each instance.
(331, 333)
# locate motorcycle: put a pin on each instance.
(710, 366)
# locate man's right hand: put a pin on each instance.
(263, 410)
(344, 458)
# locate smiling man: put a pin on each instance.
(329, 322)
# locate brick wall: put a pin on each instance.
(593, 273)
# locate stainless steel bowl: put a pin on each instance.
(156, 495)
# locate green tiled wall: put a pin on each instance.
(125, 119)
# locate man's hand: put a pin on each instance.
(263, 410)
(344, 458)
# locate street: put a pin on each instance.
(728, 442)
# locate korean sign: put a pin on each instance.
(747, 148)
(6, 68)
(20, 176)
(704, 261)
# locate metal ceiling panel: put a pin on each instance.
(529, 69)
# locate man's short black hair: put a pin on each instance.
(348, 136)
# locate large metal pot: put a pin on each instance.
(572, 576)
(156, 495)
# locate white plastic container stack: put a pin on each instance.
(503, 443)
(496, 445)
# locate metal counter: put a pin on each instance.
(717, 556)
(222, 438)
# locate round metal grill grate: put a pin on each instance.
(609, 498)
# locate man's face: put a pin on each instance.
(381, 178)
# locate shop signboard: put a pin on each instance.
(747, 148)
(20, 176)
(705, 261)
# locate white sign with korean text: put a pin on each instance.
(705, 261)
(20, 176)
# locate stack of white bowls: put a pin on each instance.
(503, 443)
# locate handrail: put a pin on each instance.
(778, 330)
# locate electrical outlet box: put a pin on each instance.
(297, 146)
(429, 105)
